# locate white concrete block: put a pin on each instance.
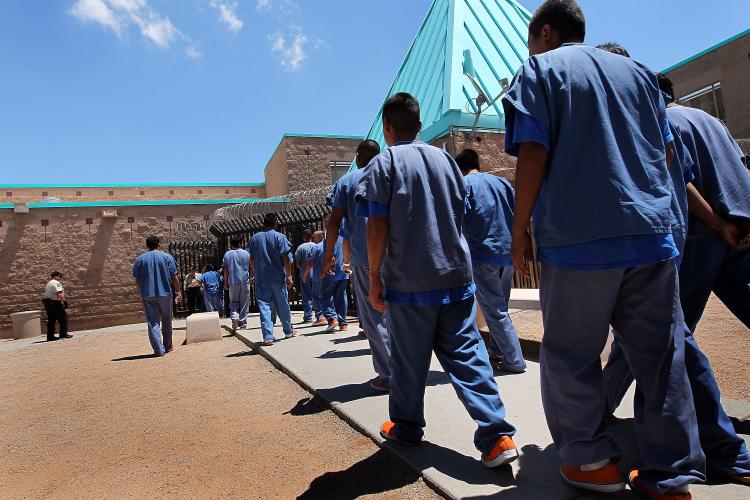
(524, 299)
(26, 324)
(203, 327)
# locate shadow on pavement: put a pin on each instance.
(242, 354)
(741, 426)
(377, 473)
(346, 340)
(344, 354)
(137, 357)
(308, 406)
(352, 392)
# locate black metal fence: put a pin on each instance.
(192, 256)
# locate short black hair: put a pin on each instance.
(666, 85)
(366, 151)
(468, 160)
(563, 16)
(615, 48)
(307, 235)
(55, 274)
(401, 111)
(236, 241)
(208, 268)
(152, 242)
(269, 220)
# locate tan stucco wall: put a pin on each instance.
(70, 194)
(96, 260)
(276, 173)
(729, 65)
(491, 149)
(309, 160)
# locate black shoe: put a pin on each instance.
(52, 339)
(66, 336)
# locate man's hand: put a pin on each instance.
(522, 253)
(330, 269)
(289, 282)
(377, 294)
(348, 268)
(730, 233)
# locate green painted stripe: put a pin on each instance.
(6, 205)
(147, 203)
(144, 185)
(708, 50)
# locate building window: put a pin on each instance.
(200, 191)
(142, 193)
(708, 99)
(78, 193)
(339, 169)
(111, 193)
(226, 191)
(45, 193)
(8, 194)
(131, 220)
(171, 192)
(89, 221)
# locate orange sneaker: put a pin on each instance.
(638, 486)
(605, 480)
(503, 453)
(321, 322)
(332, 325)
(388, 432)
(343, 328)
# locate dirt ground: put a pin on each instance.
(721, 336)
(94, 418)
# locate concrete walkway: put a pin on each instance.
(336, 368)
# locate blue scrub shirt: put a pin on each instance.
(606, 198)
(268, 248)
(427, 261)
(301, 256)
(489, 218)
(154, 270)
(343, 196)
(212, 282)
(237, 264)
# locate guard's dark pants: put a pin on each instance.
(55, 314)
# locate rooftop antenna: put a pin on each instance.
(482, 98)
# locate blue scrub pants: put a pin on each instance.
(270, 298)
(213, 303)
(306, 291)
(158, 312)
(710, 265)
(724, 449)
(450, 331)
(333, 300)
(317, 301)
(374, 323)
(239, 303)
(642, 305)
(493, 292)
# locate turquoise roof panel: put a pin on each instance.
(494, 32)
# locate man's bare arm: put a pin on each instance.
(332, 234)
(530, 169)
(670, 154)
(702, 209)
(289, 269)
(226, 279)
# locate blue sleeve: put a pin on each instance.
(666, 131)
(284, 245)
(526, 110)
(337, 196)
(172, 265)
(136, 268)
(373, 192)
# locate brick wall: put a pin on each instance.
(121, 193)
(491, 149)
(96, 259)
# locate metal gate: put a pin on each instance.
(192, 256)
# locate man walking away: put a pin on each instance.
(237, 281)
(305, 283)
(155, 275)
(489, 218)
(213, 290)
(55, 305)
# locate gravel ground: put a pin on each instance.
(93, 418)
(723, 338)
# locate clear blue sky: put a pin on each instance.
(202, 90)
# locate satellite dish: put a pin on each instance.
(482, 98)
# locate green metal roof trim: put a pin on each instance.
(144, 185)
(708, 50)
(145, 203)
(494, 31)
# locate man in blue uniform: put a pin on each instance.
(272, 275)
(155, 276)
(342, 199)
(593, 145)
(334, 281)
(489, 217)
(415, 198)
(213, 290)
(306, 290)
(727, 455)
(237, 281)
(314, 264)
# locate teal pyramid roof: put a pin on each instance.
(495, 34)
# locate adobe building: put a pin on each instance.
(715, 81)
